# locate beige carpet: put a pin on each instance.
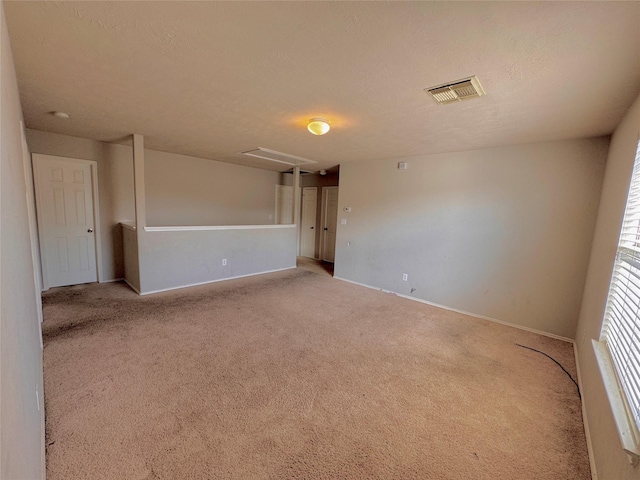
(317, 266)
(296, 375)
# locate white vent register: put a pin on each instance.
(456, 91)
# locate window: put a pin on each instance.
(621, 327)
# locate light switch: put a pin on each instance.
(343, 221)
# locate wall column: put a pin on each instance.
(140, 204)
(296, 205)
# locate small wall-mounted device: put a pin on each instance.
(402, 165)
(347, 209)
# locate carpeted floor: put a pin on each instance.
(313, 265)
(296, 375)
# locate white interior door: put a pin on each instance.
(329, 222)
(308, 222)
(66, 224)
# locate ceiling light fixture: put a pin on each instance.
(60, 115)
(318, 126)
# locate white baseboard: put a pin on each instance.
(112, 280)
(212, 281)
(462, 312)
(585, 420)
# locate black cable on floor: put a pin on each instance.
(557, 363)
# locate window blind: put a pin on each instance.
(621, 327)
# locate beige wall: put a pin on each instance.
(503, 233)
(115, 188)
(175, 259)
(180, 190)
(22, 432)
(184, 190)
(611, 461)
(130, 260)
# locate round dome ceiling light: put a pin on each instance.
(61, 115)
(318, 126)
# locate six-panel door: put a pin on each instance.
(64, 203)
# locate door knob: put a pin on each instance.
(90, 230)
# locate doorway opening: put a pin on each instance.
(318, 217)
(314, 265)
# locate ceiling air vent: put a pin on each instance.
(456, 91)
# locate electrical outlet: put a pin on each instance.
(405, 277)
(224, 262)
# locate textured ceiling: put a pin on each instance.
(211, 79)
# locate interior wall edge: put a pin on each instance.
(22, 436)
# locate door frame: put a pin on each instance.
(96, 211)
(302, 211)
(323, 219)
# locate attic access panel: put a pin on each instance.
(278, 157)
